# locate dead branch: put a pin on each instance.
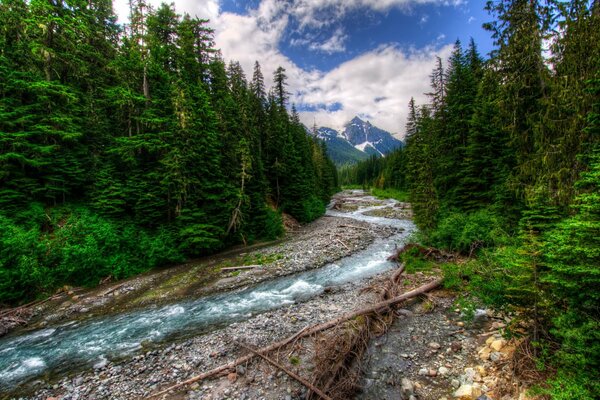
(112, 289)
(29, 305)
(429, 253)
(378, 307)
(343, 244)
(240, 267)
(354, 227)
(287, 371)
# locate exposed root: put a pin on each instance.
(428, 253)
(338, 353)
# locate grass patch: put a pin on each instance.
(294, 360)
(251, 259)
(353, 187)
(395, 194)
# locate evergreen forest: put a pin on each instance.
(128, 148)
(502, 165)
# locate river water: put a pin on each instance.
(78, 344)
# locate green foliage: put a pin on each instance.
(390, 193)
(142, 140)
(75, 246)
(503, 164)
(466, 233)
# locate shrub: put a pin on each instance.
(466, 233)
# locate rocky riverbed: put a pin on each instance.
(429, 352)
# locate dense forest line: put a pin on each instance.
(126, 148)
(503, 166)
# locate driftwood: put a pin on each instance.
(307, 331)
(343, 244)
(287, 371)
(354, 227)
(112, 289)
(338, 355)
(240, 267)
(32, 304)
(428, 253)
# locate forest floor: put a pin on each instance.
(430, 352)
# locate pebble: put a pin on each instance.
(423, 371)
(443, 371)
(434, 345)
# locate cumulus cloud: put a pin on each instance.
(208, 9)
(335, 44)
(376, 85)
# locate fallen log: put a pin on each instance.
(337, 357)
(112, 289)
(287, 371)
(305, 332)
(354, 227)
(240, 267)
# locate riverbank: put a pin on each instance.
(322, 242)
(312, 246)
(429, 353)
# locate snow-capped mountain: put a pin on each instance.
(357, 141)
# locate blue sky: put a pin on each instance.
(343, 57)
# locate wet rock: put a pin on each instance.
(101, 364)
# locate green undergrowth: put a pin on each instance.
(251, 259)
(44, 249)
(399, 195)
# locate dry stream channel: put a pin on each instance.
(76, 345)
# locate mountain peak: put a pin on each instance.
(357, 120)
(357, 140)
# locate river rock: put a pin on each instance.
(434, 345)
(467, 392)
(408, 388)
(484, 353)
(456, 346)
(497, 345)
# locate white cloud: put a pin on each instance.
(208, 9)
(335, 44)
(378, 83)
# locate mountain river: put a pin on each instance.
(79, 344)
